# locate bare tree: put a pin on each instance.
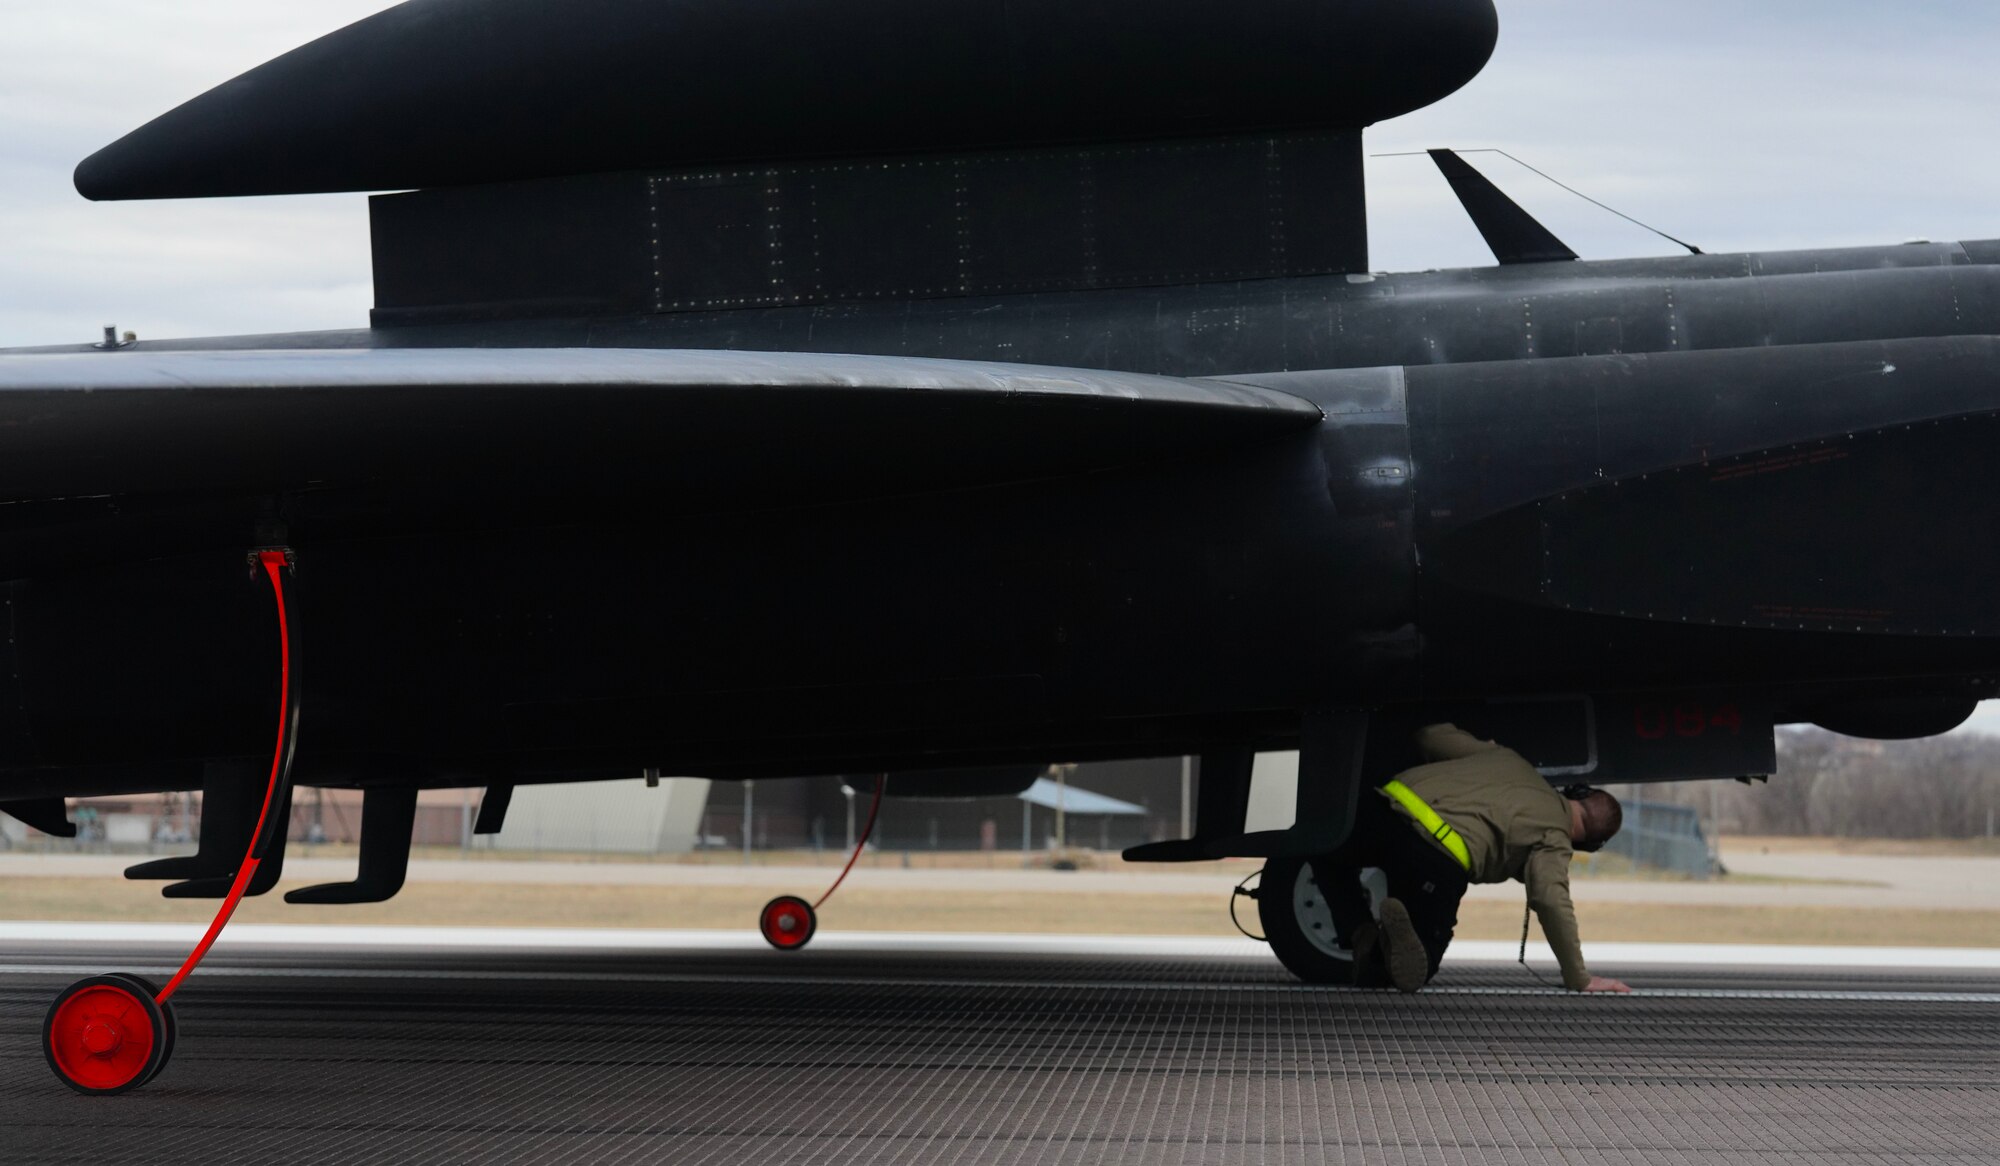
(1939, 787)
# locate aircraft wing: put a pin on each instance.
(111, 454)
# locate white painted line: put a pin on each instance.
(1607, 955)
(1737, 994)
(1603, 955)
(561, 976)
(587, 939)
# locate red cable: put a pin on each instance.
(874, 807)
(274, 563)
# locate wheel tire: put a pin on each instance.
(104, 1034)
(1307, 934)
(172, 1031)
(787, 923)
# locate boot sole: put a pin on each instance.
(1402, 950)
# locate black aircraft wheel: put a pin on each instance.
(788, 923)
(1308, 930)
(105, 1034)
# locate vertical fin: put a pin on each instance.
(1223, 800)
(1511, 232)
(388, 814)
(493, 809)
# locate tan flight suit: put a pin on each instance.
(1514, 824)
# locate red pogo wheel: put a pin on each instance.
(105, 1034)
(172, 1028)
(788, 922)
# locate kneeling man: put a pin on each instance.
(1476, 812)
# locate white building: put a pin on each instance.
(621, 816)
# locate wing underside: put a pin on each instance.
(165, 452)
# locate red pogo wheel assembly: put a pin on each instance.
(105, 1034)
(788, 922)
(110, 1033)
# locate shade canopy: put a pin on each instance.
(1046, 793)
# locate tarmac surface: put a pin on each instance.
(1000, 1050)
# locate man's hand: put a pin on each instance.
(1606, 984)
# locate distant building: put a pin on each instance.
(627, 817)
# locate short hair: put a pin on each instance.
(1602, 816)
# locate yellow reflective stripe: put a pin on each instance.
(1429, 820)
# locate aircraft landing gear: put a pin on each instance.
(1311, 930)
(788, 922)
(114, 1032)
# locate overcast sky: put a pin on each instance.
(1760, 125)
(1757, 125)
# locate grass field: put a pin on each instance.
(1886, 847)
(865, 909)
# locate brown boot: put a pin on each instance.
(1402, 950)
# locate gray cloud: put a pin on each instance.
(1739, 126)
(78, 75)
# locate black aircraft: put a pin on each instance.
(777, 387)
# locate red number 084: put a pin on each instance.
(1654, 721)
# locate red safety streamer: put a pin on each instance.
(874, 807)
(273, 562)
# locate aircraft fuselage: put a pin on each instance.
(1783, 451)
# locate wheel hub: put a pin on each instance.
(101, 1038)
(1315, 916)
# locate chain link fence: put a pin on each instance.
(1659, 836)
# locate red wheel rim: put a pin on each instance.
(167, 1024)
(787, 922)
(101, 1037)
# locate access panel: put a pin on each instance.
(1603, 739)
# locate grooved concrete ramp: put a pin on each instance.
(346, 1055)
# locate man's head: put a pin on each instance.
(1594, 817)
